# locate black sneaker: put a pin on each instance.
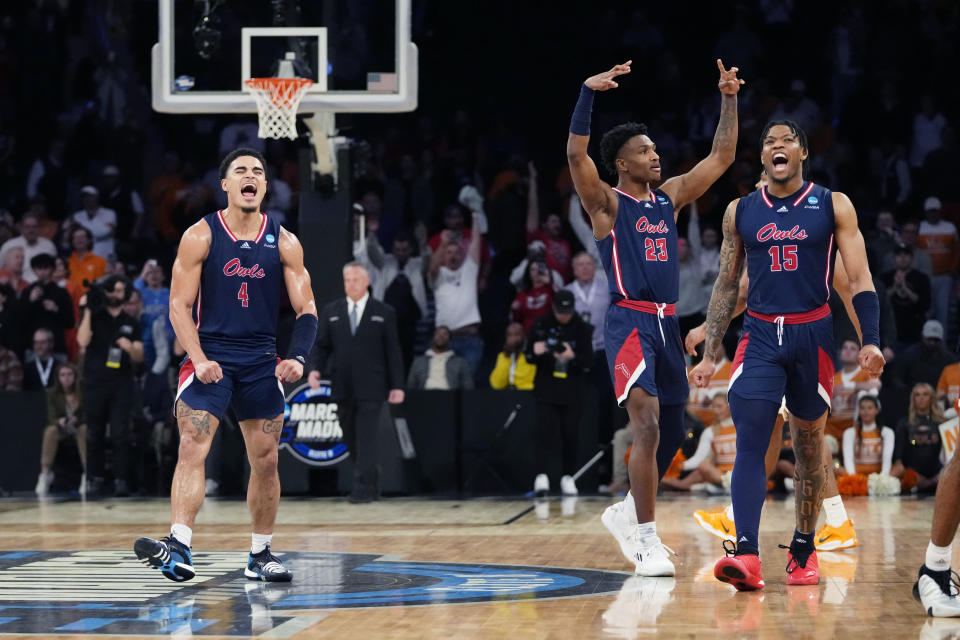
(267, 567)
(167, 554)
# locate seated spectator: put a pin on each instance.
(918, 446)
(908, 291)
(11, 371)
(439, 367)
(512, 371)
(65, 418)
(556, 248)
(534, 299)
(47, 305)
(100, 221)
(868, 448)
(32, 243)
(61, 276)
(715, 452)
(11, 271)
(909, 231)
(41, 362)
(948, 386)
(924, 362)
(83, 264)
(453, 275)
(848, 382)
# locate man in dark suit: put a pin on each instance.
(358, 349)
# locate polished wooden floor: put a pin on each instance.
(865, 592)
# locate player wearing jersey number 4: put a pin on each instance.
(635, 228)
(784, 234)
(225, 294)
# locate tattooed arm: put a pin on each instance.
(686, 188)
(723, 300)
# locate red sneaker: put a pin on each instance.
(742, 571)
(800, 572)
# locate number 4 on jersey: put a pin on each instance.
(242, 295)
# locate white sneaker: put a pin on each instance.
(44, 480)
(82, 489)
(939, 598)
(617, 521)
(652, 557)
(567, 486)
(568, 505)
(541, 485)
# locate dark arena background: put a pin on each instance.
(425, 125)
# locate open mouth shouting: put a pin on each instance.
(248, 192)
(780, 163)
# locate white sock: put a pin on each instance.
(260, 542)
(183, 533)
(647, 531)
(938, 558)
(835, 511)
(729, 512)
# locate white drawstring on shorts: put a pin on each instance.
(660, 307)
(779, 322)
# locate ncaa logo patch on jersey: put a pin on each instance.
(271, 238)
(661, 200)
(813, 200)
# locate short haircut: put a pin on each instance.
(797, 131)
(236, 153)
(42, 261)
(48, 335)
(358, 265)
(30, 214)
(80, 227)
(614, 139)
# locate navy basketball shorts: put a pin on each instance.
(645, 350)
(252, 387)
(789, 358)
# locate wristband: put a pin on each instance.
(580, 122)
(304, 333)
(867, 306)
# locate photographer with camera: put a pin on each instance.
(560, 344)
(110, 341)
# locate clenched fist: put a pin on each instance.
(289, 370)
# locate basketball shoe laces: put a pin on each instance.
(798, 558)
(949, 582)
(731, 549)
(636, 541)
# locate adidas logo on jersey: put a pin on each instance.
(245, 245)
(783, 209)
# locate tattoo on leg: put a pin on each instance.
(810, 476)
(198, 418)
(273, 426)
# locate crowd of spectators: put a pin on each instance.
(471, 226)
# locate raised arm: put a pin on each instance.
(865, 303)
(476, 239)
(184, 284)
(596, 196)
(300, 292)
(581, 229)
(689, 186)
(723, 300)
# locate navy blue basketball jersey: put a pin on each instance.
(239, 298)
(640, 254)
(789, 244)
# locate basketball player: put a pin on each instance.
(936, 586)
(837, 531)
(785, 234)
(636, 232)
(225, 292)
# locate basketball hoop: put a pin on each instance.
(277, 102)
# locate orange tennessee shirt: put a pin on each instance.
(844, 401)
(724, 445)
(90, 267)
(950, 383)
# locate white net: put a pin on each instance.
(277, 102)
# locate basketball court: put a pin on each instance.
(413, 568)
